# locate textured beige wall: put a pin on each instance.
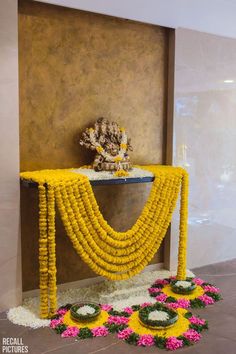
(10, 267)
(77, 66)
(74, 67)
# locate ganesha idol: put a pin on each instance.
(111, 145)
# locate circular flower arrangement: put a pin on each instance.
(203, 294)
(186, 331)
(64, 324)
(85, 311)
(157, 316)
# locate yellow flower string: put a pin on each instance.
(43, 252)
(183, 228)
(121, 173)
(51, 251)
(119, 247)
(115, 255)
(96, 253)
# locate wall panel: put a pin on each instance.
(10, 250)
(205, 143)
(74, 67)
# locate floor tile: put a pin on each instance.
(3, 315)
(87, 346)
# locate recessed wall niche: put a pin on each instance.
(76, 66)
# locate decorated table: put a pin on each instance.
(114, 255)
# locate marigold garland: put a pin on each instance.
(43, 252)
(52, 280)
(115, 255)
(182, 254)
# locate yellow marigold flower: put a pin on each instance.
(123, 146)
(121, 173)
(118, 159)
(99, 149)
(122, 129)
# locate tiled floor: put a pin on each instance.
(220, 339)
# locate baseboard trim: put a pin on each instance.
(86, 282)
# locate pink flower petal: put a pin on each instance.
(54, 323)
(70, 332)
(118, 320)
(145, 304)
(106, 307)
(125, 333)
(61, 311)
(192, 335)
(146, 340)
(207, 300)
(173, 343)
(128, 310)
(101, 331)
(198, 281)
(162, 297)
(197, 321)
(211, 289)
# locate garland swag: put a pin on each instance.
(114, 255)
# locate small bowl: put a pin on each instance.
(172, 323)
(152, 324)
(84, 318)
(181, 290)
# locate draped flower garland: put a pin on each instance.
(115, 255)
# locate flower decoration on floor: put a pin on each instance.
(203, 293)
(186, 331)
(65, 325)
(108, 321)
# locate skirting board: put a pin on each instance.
(86, 282)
